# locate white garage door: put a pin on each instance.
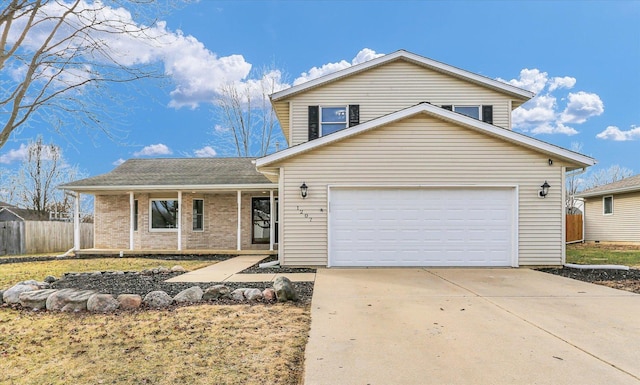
(422, 227)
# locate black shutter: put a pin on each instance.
(314, 122)
(448, 107)
(487, 114)
(354, 115)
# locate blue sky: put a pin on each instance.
(581, 58)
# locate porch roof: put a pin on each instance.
(197, 174)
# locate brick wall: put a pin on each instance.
(219, 222)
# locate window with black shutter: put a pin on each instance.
(487, 114)
(314, 122)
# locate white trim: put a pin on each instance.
(239, 230)
(515, 256)
(603, 205)
(193, 215)
(165, 230)
(402, 54)
(9, 210)
(272, 228)
(152, 188)
(179, 219)
(479, 107)
(346, 118)
(281, 195)
(438, 112)
(563, 238)
(290, 123)
(76, 222)
(132, 217)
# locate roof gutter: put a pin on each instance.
(611, 191)
(217, 187)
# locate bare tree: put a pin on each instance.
(574, 181)
(33, 185)
(609, 175)
(58, 58)
(247, 118)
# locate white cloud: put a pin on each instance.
(17, 155)
(614, 133)
(118, 162)
(205, 152)
(220, 128)
(544, 113)
(582, 106)
(530, 80)
(154, 149)
(564, 82)
(558, 128)
(364, 55)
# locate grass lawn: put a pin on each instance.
(204, 344)
(602, 254)
(12, 273)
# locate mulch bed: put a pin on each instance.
(135, 283)
(186, 257)
(256, 269)
(619, 279)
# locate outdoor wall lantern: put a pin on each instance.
(303, 190)
(544, 189)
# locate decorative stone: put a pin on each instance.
(118, 272)
(1, 297)
(96, 273)
(146, 272)
(129, 301)
(102, 303)
(12, 295)
(50, 279)
(284, 290)
(178, 269)
(157, 299)
(269, 294)
(216, 292)
(253, 294)
(192, 294)
(69, 300)
(237, 295)
(35, 300)
(162, 270)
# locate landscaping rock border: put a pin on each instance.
(168, 257)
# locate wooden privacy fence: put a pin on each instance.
(575, 232)
(34, 237)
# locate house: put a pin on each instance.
(612, 211)
(398, 161)
(10, 213)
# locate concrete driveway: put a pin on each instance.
(469, 326)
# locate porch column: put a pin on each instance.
(76, 221)
(239, 220)
(132, 219)
(179, 220)
(272, 214)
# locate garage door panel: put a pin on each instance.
(422, 227)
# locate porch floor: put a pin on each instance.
(125, 252)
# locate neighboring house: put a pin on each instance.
(612, 211)
(399, 161)
(9, 213)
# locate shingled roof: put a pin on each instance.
(629, 184)
(173, 173)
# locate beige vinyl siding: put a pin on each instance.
(392, 87)
(621, 226)
(421, 150)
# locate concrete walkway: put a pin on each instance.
(227, 271)
(469, 326)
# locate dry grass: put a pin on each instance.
(202, 344)
(12, 273)
(604, 254)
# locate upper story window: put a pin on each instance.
(484, 113)
(164, 214)
(327, 120)
(607, 205)
(332, 119)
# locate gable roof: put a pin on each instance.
(515, 92)
(438, 112)
(24, 214)
(175, 174)
(629, 184)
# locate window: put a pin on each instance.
(164, 214)
(260, 218)
(135, 215)
(332, 119)
(607, 205)
(198, 214)
(471, 111)
(484, 113)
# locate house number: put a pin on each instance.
(306, 215)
